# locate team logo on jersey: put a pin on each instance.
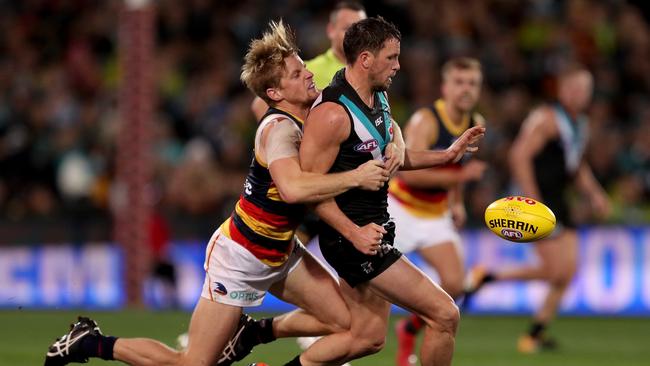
(219, 288)
(248, 187)
(366, 146)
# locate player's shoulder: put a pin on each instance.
(422, 116)
(541, 119)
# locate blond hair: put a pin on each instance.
(461, 63)
(264, 62)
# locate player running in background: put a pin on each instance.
(255, 250)
(325, 65)
(546, 160)
(350, 125)
(427, 205)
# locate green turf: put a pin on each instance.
(482, 341)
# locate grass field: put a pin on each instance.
(482, 341)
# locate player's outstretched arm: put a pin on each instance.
(279, 149)
(417, 159)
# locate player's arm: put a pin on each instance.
(536, 130)
(279, 148)
(421, 130)
(259, 107)
(419, 159)
(589, 186)
(325, 129)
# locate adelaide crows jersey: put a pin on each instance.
(432, 202)
(370, 132)
(262, 222)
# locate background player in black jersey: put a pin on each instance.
(546, 160)
(351, 124)
(255, 250)
(427, 204)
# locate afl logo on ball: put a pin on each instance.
(366, 146)
(511, 234)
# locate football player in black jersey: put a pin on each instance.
(546, 160)
(349, 125)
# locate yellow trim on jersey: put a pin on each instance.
(451, 126)
(418, 207)
(274, 194)
(225, 228)
(291, 114)
(261, 228)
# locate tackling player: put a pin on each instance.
(255, 250)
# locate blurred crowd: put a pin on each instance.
(59, 83)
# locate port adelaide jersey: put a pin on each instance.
(262, 222)
(371, 131)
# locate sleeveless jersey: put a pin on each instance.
(262, 222)
(557, 163)
(432, 202)
(370, 132)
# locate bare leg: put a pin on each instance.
(211, 326)
(446, 260)
(406, 286)
(560, 256)
(313, 289)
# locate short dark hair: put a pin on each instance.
(368, 35)
(345, 5)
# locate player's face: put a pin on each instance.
(384, 65)
(297, 84)
(462, 88)
(575, 91)
(342, 21)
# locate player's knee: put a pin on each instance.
(445, 318)
(368, 345)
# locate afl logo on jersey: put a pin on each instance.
(366, 146)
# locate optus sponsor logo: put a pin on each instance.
(245, 295)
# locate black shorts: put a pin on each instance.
(352, 265)
(561, 210)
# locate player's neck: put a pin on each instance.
(455, 115)
(295, 110)
(360, 84)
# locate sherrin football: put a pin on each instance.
(519, 219)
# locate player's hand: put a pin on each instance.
(394, 157)
(473, 170)
(465, 143)
(367, 239)
(371, 175)
(458, 215)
